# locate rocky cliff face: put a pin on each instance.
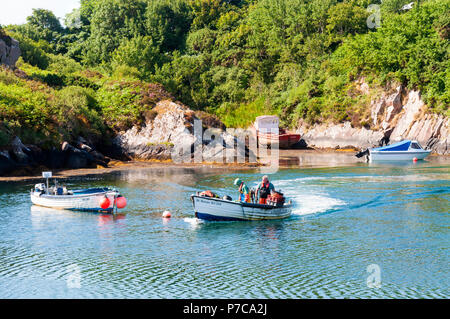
(171, 130)
(23, 159)
(9, 51)
(394, 117)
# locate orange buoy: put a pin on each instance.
(415, 159)
(121, 202)
(166, 214)
(105, 202)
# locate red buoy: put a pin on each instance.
(105, 202)
(121, 202)
(167, 214)
(415, 159)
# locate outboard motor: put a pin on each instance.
(362, 153)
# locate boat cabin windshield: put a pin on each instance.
(416, 146)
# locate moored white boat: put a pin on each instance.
(92, 199)
(209, 208)
(405, 150)
(83, 200)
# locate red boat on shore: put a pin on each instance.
(268, 132)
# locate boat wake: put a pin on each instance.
(307, 201)
(193, 221)
(307, 204)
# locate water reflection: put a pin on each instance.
(105, 219)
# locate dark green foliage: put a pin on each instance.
(111, 22)
(43, 25)
(126, 102)
(138, 52)
(299, 59)
(410, 48)
(32, 52)
(168, 22)
(4, 36)
(75, 110)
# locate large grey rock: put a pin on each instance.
(80, 158)
(377, 108)
(410, 113)
(9, 52)
(171, 135)
(18, 150)
(340, 136)
(415, 123)
(385, 108)
(7, 165)
(56, 159)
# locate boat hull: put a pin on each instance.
(397, 156)
(81, 202)
(222, 210)
(284, 140)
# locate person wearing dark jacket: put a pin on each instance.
(264, 189)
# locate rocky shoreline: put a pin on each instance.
(172, 131)
(288, 159)
(22, 159)
(159, 138)
(393, 117)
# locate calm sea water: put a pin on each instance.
(393, 217)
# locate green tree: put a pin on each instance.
(201, 40)
(112, 21)
(138, 52)
(346, 19)
(43, 25)
(78, 30)
(206, 13)
(168, 22)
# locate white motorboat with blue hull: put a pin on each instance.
(81, 200)
(216, 209)
(402, 151)
(104, 200)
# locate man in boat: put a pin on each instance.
(243, 191)
(264, 189)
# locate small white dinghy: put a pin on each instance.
(216, 209)
(405, 150)
(93, 199)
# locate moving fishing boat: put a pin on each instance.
(224, 209)
(268, 132)
(406, 150)
(104, 200)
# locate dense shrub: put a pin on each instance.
(76, 114)
(125, 103)
(299, 59)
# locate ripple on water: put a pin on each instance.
(356, 216)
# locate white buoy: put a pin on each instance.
(166, 214)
